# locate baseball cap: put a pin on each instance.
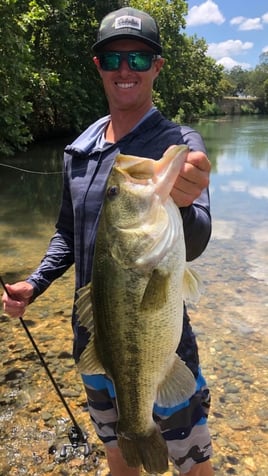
(128, 23)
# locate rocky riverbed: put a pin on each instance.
(230, 323)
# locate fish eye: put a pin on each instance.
(113, 191)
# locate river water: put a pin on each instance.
(230, 319)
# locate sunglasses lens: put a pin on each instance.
(110, 61)
(137, 60)
(140, 61)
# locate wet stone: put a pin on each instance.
(231, 471)
(46, 416)
(29, 322)
(14, 374)
(65, 355)
(233, 460)
(231, 398)
(237, 424)
(230, 388)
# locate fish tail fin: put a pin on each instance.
(150, 451)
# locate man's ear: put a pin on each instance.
(159, 63)
(96, 61)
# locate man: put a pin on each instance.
(128, 59)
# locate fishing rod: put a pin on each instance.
(76, 436)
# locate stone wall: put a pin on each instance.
(233, 105)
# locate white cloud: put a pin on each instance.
(229, 63)
(248, 24)
(265, 49)
(228, 48)
(237, 20)
(251, 24)
(207, 12)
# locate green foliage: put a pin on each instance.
(264, 58)
(14, 104)
(256, 81)
(63, 77)
(250, 83)
(248, 109)
(227, 87)
(265, 88)
(239, 78)
(211, 109)
(199, 78)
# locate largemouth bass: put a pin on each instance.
(133, 307)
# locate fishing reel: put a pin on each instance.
(77, 439)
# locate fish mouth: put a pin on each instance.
(160, 174)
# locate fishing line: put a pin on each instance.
(28, 171)
(36, 172)
(76, 435)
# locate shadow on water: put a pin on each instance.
(230, 320)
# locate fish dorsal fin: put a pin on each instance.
(89, 362)
(192, 285)
(178, 385)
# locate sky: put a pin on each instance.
(236, 31)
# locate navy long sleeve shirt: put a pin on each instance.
(86, 169)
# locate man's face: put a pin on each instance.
(127, 89)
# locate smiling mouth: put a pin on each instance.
(125, 85)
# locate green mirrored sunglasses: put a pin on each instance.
(137, 60)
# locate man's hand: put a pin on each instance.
(20, 296)
(192, 179)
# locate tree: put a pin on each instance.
(264, 58)
(200, 78)
(63, 78)
(14, 104)
(239, 78)
(256, 85)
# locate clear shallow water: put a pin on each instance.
(238, 149)
(230, 320)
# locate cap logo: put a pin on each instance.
(128, 21)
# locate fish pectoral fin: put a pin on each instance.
(155, 294)
(178, 385)
(192, 286)
(88, 363)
